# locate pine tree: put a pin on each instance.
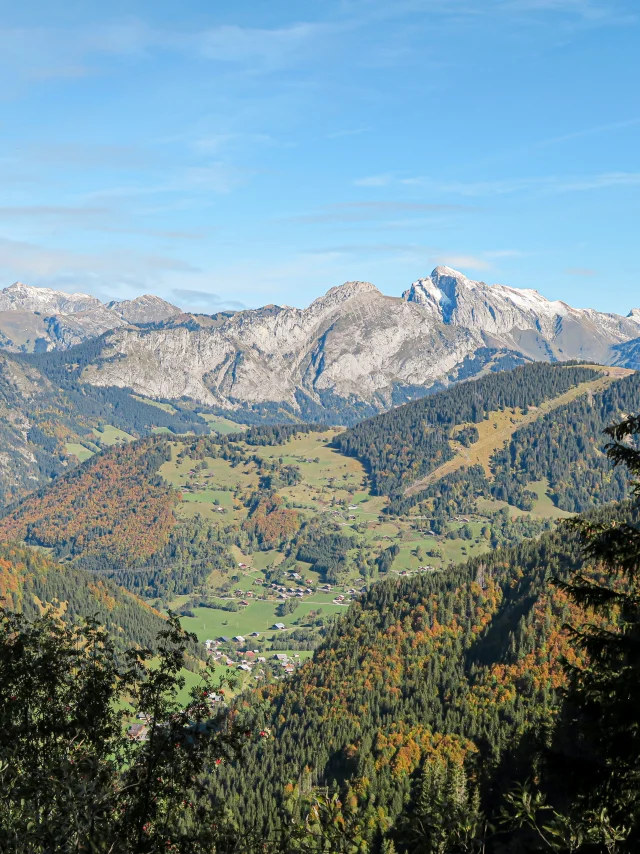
(603, 708)
(446, 816)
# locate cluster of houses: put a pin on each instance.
(427, 568)
(283, 592)
(246, 660)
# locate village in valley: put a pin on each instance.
(263, 616)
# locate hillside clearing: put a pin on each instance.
(495, 432)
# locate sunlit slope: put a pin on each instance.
(498, 428)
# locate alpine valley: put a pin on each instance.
(358, 510)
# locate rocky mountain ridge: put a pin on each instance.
(522, 319)
(44, 319)
(351, 353)
(355, 350)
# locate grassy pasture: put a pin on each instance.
(79, 451)
(221, 425)
(166, 407)
(257, 616)
(111, 435)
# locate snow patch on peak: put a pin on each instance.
(22, 297)
(634, 314)
(449, 272)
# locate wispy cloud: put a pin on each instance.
(581, 271)
(49, 265)
(587, 132)
(215, 177)
(91, 155)
(44, 53)
(204, 300)
(463, 262)
(217, 142)
(543, 184)
(48, 211)
(211, 177)
(374, 181)
(599, 12)
(104, 219)
(341, 133)
(373, 210)
(234, 44)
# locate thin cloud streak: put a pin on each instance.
(594, 131)
(372, 210)
(509, 186)
(580, 271)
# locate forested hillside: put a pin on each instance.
(456, 667)
(116, 514)
(113, 504)
(407, 443)
(30, 582)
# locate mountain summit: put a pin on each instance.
(519, 318)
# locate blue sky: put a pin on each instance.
(227, 155)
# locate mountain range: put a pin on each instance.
(40, 319)
(351, 353)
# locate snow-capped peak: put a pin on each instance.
(22, 297)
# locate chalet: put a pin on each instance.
(255, 634)
(279, 626)
(243, 602)
(225, 639)
(137, 732)
(239, 639)
(281, 656)
(244, 667)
